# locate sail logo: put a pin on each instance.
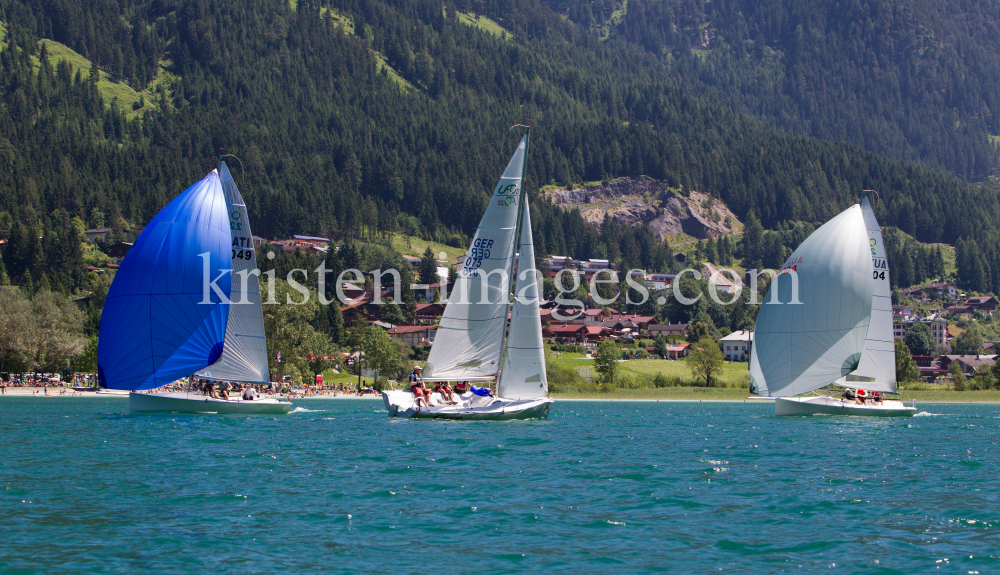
(510, 191)
(872, 243)
(236, 221)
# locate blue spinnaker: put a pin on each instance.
(155, 327)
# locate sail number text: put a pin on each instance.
(480, 251)
(880, 268)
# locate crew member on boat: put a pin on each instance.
(444, 389)
(420, 392)
(249, 393)
(849, 395)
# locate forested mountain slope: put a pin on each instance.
(910, 79)
(333, 144)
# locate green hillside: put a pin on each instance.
(910, 79)
(309, 97)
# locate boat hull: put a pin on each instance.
(182, 402)
(469, 408)
(825, 405)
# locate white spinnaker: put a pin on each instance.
(469, 338)
(244, 356)
(523, 375)
(801, 347)
(877, 370)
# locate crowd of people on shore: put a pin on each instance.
(48, 384)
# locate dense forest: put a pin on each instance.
(909, 79)
(357, 118)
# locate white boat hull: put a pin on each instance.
(184, 402)
(469, 407)
(835, 406)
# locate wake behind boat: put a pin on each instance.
(840, 330)
(185, 302)
(473, 342)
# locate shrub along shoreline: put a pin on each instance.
(688, 393)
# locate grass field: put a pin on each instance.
(127, 97)
(485, 24)
(664, 393)
(732, 373)
(413, 246)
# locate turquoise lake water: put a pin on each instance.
(623, 487)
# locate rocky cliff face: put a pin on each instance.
(633, 201)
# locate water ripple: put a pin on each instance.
(600, 487)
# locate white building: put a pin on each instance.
(736, 346)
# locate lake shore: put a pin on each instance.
(681, 394)
(738, 394)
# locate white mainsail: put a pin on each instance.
(523, 375)
(244, 355)
(469, 338)
(877, 370)
(802, 347)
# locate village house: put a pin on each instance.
(413, 334)
(576, 333)
(96, 234)
(903, 312)
(596, 315)
(119, 250)
(659, 281)
(736, 346)
(302, 243)
(351, 291)
(939, 329)
(929, 366)
(960, 311)
(937, 290)
(970, 364)
(985, 304)
(437, 291)
(428, 313)
(678, 351)
(360, 310)
(668, 329)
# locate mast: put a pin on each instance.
(517, 247)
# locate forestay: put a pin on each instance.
(523, 375)
(244, 357)
(877, 369)
(801, 347)
(469, 338)
(154, 327)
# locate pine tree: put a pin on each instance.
(428, 267)
(753, 243)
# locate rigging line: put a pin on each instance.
(243, 171)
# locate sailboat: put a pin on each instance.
(830, 325)
(473, 342)
(184, 303)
